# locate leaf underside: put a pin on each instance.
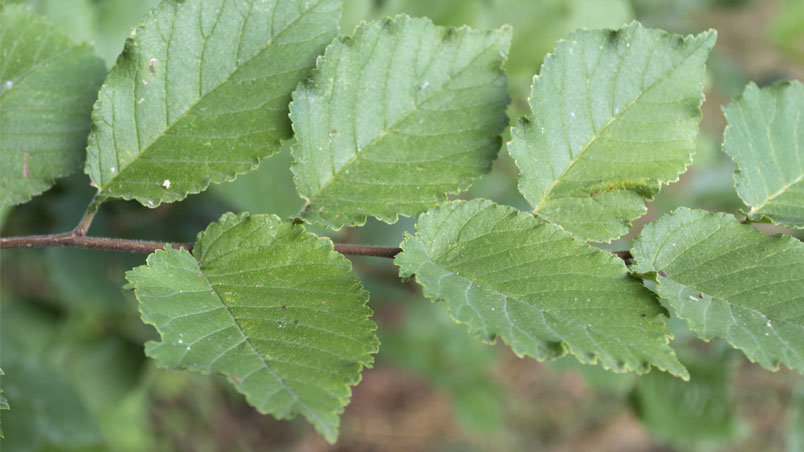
(765, 138)
(396, 117)
(270, 306)
(728, 280)
(47, 87)
(200, 94)
(615, 115)
(504, 273)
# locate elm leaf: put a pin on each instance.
(200, 94)
(396, 117)
(272, 307)
(615, 116)
(730, 281)
(47, 87)
(765, 138)
(504, 273)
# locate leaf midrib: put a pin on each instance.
(599, 133)
(200, 99)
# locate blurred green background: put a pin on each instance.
(77, 378)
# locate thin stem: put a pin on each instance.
(361, 250)
(82, 227)
(73, 240)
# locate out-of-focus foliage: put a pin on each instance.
(429, 343)
(104, 23)
(689, 414)
(787, 30)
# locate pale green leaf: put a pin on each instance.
(396, 117)
(504, 273)
(200, 94)
(615, 115)
(730, 281)
(270, 306)
(765, 138)
(47, 87)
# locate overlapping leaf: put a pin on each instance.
(47, 87)
(200, 94)
(765, 138)
(504, 273)
(615, 115)
(396, 117)
(730, 281)
(270, 306)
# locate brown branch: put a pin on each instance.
(75, 240)
(361, 250)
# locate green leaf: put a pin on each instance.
(504, 272)
(200, 94)
(687, 414)
(270, 306)
(396, 117)
(765, 138)
(615, 115)
(47, 87)
(730, 281)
